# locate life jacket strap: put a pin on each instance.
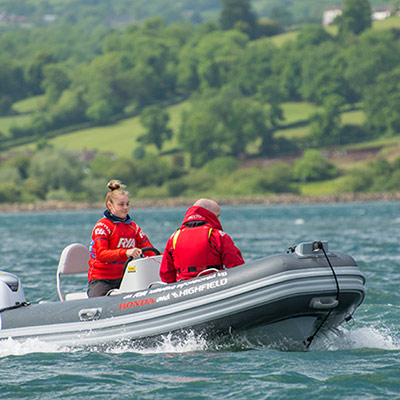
(175, 238)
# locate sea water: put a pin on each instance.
(359, 361)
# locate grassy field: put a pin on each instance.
(29, 105)
(279, 40)
(356, 117)
(297, 112)
(7, 122)
(324, 188)
(120, 138)
(389, 23)
(293, 133)
(24, 108)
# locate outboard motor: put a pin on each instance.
(11, 291)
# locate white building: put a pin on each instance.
(381, 13)
(330, 14)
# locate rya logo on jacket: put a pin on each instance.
(126, 243)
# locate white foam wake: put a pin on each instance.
(170, 343)
(187, 341)
(12, 347)
(359, 338)
(342, 339)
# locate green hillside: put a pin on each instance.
(218, 110)
(121, 137)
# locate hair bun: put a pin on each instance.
(114, 185)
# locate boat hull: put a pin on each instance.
(279, 297)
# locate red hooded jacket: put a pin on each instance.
(199, 244)
(111, 238)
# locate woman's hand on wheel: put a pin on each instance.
(135, 252)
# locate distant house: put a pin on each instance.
(20, 19)
(120, 20)
(4, 17)
(330, 15)
(381, 13)
(49, 18)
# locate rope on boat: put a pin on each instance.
(319, 246)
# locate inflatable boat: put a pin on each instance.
(290, 297)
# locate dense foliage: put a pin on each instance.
(235, 80)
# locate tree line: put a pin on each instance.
(59, 174)
(91, 14)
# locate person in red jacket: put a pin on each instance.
(115, 237)
(199, 244)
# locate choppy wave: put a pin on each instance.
(353, 362)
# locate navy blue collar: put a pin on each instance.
(116, 219)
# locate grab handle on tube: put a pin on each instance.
(323, 303)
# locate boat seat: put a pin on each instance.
(74, 259)
(76, 296)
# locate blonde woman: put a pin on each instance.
(115, 238)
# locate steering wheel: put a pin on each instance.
(130, 258)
